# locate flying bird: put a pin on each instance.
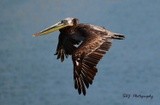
(86, 43)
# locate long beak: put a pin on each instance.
(50, 29)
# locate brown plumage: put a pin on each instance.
(86, 44)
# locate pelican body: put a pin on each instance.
(86, 44)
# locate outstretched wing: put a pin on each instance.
(85, 59)
(65, 47)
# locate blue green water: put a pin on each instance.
(31, 75)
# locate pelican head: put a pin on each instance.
(60, 25)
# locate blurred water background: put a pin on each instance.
(31, 75)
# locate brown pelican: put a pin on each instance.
(86, 44)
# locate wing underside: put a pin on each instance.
(85, 60)
(66, 46)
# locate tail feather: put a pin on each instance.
(118, 36)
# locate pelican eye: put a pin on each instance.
(64, 21)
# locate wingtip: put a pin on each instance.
(120, 37)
